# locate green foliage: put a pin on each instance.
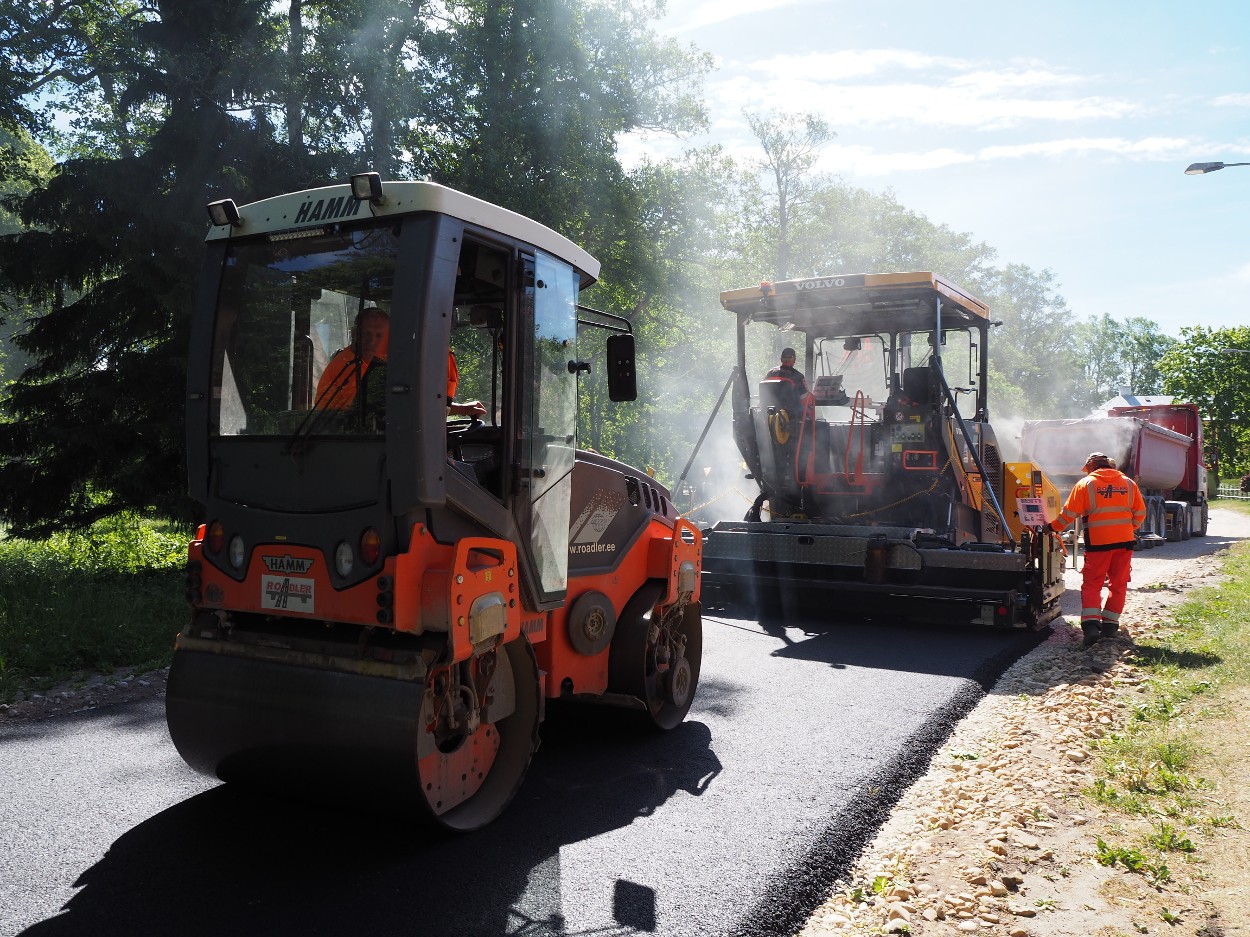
(791, 143)
(1198, 370)
(521, 103)
(1034, 352)
(106, 597)
(1119, 354)
(121, 544)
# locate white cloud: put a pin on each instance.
(864, 161)
(946, 105)
(1232, 100)
(988, 82)
(934, 91)
(835, 66)
(1152, 148)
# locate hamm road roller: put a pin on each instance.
(404, 555)
(880, 484)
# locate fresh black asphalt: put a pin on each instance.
(736, 823)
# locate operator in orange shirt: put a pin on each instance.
(336, 390)
(470, 408)
(1113, 508)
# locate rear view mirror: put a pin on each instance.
(622, 377)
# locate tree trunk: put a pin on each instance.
(294, 99)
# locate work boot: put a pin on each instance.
(1110, 630)
(1093, 631)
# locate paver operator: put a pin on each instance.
(1113, 508)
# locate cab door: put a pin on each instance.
(548, 416)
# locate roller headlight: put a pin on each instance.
(344, 559)
(237, 553)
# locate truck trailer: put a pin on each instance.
(1156, 443)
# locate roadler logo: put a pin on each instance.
(1111, 489)
(287, 593)
(286, 564)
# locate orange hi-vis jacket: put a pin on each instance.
(1112, 506)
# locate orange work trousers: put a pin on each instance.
(1110, 568)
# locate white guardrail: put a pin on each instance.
(1232, 493)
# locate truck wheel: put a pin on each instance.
(1202, 525)
(1160, 519)
(1174, 521)
(656, 657)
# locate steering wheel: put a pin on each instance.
(464, 424)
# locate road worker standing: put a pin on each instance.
(1113, 508)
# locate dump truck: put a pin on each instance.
(882, 490)
(389, 585)
(1154, 441)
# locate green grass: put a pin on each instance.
(1149, 768)
(91, 601)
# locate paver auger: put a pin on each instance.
(382, 597)
(879, 483)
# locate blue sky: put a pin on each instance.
(1057, 132)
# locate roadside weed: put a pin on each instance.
(1132, 859)
(1168, 839)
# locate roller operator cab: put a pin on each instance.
(389, 582)
(878, 480)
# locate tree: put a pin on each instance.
(1208, 367)
(791, 143)
(180, 102)
(110, 247)
(1118, 354)
(531, 98)
(1034, 351)
(28, 163)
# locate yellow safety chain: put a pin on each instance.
(734, 490)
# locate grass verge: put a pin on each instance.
(1150, 770)
(89, 601)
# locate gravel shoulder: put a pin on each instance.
(88, 691)
(998, 839)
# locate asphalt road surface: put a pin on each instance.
(736, 823)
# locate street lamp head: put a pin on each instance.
(1235, 351)
(1197, 169)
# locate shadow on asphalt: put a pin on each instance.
(231, 861)
(979, 654)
